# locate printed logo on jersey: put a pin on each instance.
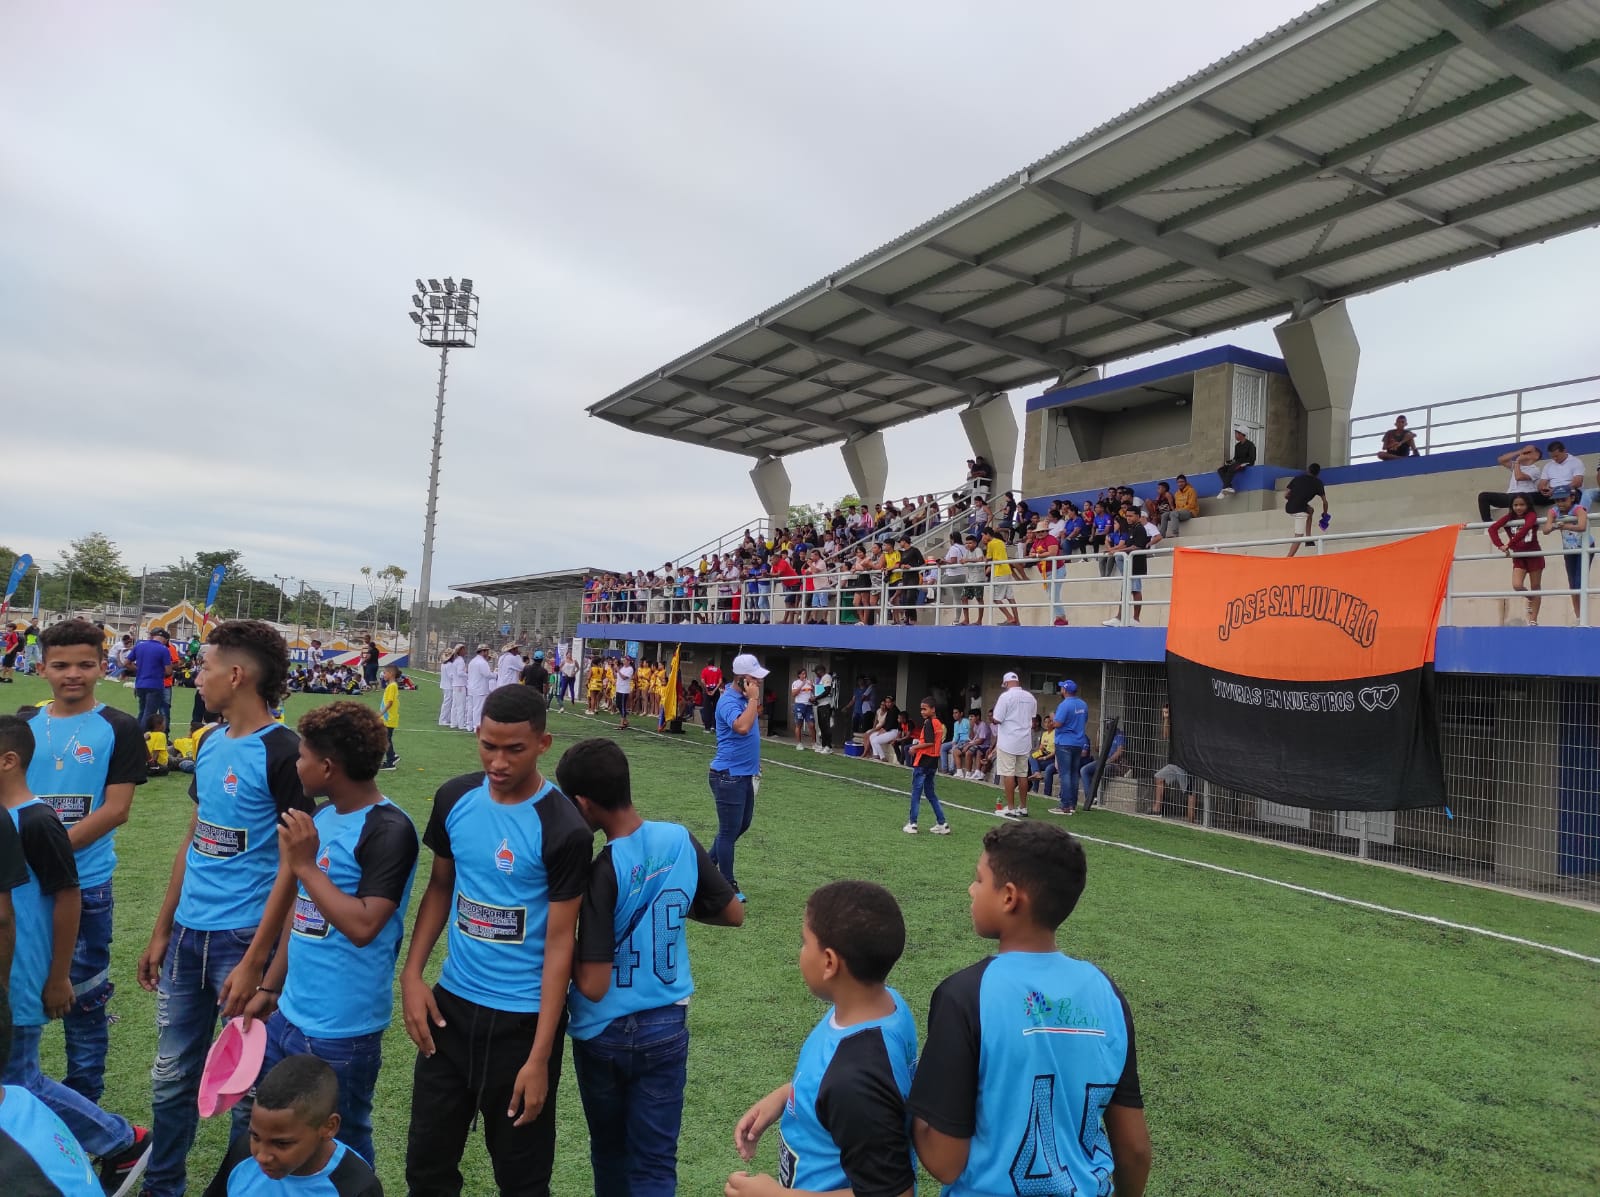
(230, 784)
(69, 808)
(324, 863)
(504, 858)
(1057, 1016)
(219, 842)
(308, 919)
(642, 874)
(788, 1162)
(493, 924)
(83, 754)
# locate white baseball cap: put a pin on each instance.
(1011, 677)
(746, 665)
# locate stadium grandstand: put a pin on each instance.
(1365, 144)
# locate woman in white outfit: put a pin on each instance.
(885, 730)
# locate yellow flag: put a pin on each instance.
(669, 700)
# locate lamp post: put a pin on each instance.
(446, 316)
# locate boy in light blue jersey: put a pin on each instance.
(329, 992)
(845, 1122)
(226, 899)
(630, 994)
(38, 1154)
(1029, 1082)
(87, 759)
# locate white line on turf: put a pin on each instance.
(1377, 908)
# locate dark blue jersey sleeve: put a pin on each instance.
(859, 1105)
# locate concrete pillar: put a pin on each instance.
(771, 480)
(1323, 355)
(868, 465)
(991, 428)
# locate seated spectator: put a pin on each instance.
(1159, 510)
(981, 474)
(973, 762)
(1185, 506)
(1563, 473)
(1244, 456)
(960, 733)
(1571, 519)
(1527, 470)
(1116, 766)
(1170, 774)
(885, 730)
(1042, 760)
(1398, 442)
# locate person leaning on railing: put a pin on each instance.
(1521, 544)
(1570, 518)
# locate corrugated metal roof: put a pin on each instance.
(1365, 143)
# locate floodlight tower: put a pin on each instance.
(446, 316)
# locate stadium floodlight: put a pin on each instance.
(458, 329)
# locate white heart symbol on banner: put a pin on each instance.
(1374, 697)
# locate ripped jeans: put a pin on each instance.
(196, 965)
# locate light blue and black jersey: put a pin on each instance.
(345, 1174)
(846, 1123)
(511, 860)
(51, 868)
(38, 1155)
(241, 785)
(643, 889)
(1024, 1052)
(334, 989)
(74, 759)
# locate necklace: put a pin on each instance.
(49, 740)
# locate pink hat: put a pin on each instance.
(232, 1065)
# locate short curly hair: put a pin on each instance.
(267, 650)
(72, 633)
(349, 733)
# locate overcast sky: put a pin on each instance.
(212, 216)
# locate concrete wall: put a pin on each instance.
(1286, 425)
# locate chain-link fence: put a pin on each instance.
(536, 620)
(1522, 767)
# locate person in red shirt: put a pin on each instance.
(926, 740)
(1521, 528)
(1047, 551)
(710, 691)
(783, 571)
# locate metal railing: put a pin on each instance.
(1527, 414)
(728, 542)
(1105, 587)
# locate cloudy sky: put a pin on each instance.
(212, 215)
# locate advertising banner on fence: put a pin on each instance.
(1309, 680)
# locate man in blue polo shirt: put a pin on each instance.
(510, 861)
(738, 761)
(1071, 723)
(87, 759)
(152, 664)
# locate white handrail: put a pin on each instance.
(1520, 417)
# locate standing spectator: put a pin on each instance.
(152, 665)
(30, 646)
(1297, 496)
(390, 712)
(1526, 472)
(371, 658)
(1521, 528)
(508, 669)
(568, 689)
(536, 675)
(1398, 442)
(803, 693)
(1244, 456)
(927, 743)
(977, 572)
(825, 700)
(1070, 724)
(458, 689)
(737, 762)
(1185, 506)
(625, 676)
(480, 680)
(1046, 550)
(1005, 593)
(710, 692)
(1013, 717)
(447, 669)
(911, 565)
(11, 646)
(1571, 519)
(167, 682)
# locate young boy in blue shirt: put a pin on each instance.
(330, 989)
(1029, 1080)
(87, 759)
(292, 1149)
(45, 912)
(630, 995)
(845, 1123)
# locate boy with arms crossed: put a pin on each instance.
(510, 863)
(630, 996)
(353, 862)
(1030, 1051)
(226, 899)
(845, 1125)
(87, 759)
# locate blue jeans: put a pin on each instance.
(355, 1061)
(192, 974)
(88, 1033)
(150, 700)
(1045, 771)
(922, 783)
(631, 1077)
(1068, 760)
(98, 1132)
(736, 806)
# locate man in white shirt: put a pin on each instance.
(1563, 473)
(624, 689)
(1013, 716)
(568, 686)
(803, 693)
(510, 666)
(1527, 474)
(951, 577)
(480, 680)
(447, 673)
(458, 688)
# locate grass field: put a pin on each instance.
(1287, 1044)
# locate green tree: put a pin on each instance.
(95, 563)
(384, 585)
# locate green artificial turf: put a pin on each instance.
(1287, 1044)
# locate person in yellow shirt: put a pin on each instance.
(1005, 593)
(156, 747)
(390, 710)
(597, 676)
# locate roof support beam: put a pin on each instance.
(962, 330)
(839, 425)
(1581, 56)
(1199, 299)
(931, 375)
(1197, 253)
(1516, 51)
(1513, 11)
(1077, 298)
(688, 438)
(1063, 270)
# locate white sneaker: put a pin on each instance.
(1226, 490)
(910, 829)
(825, 751)
(799, 747)
(942, 829)
(1113, 622)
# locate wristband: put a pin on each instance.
(265, 989)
